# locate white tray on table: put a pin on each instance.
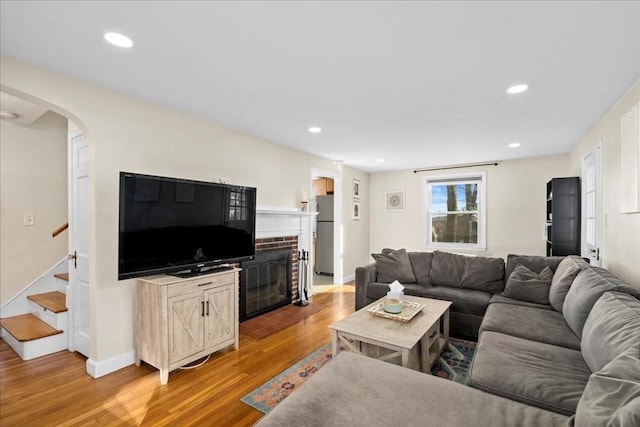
(408, 312)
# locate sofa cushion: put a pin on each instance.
(480, 273)
(377, 290)
(353, 390)
(538, 374)
(500, 299)
(612, 327)
(535, 263)
(447, 269)
(588, 286)
(526, 285)
(566, 272)
(394, 265)
(462, 300)
(546, 326)
(484, 274)
(612, 395)
(421, 264)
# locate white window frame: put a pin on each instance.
(481, 179)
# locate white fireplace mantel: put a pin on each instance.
(285, 212)
(285, 222)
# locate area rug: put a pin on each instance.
(268, 395)
(455, 361)
(453, 365)
(277, 320)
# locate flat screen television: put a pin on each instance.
(180, 226)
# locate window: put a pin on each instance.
(455, 211)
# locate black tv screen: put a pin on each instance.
(178, 225)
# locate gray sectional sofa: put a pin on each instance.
(560, 353)
(355, 390)
(544, 354)
(468, 282)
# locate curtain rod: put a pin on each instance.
(470, 165)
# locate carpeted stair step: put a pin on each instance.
(27, 327)
(55, 302)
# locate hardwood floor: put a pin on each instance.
(56, 390)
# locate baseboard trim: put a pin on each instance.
(112, 364)
(349, 278)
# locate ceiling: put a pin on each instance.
(25, 112)
(418, 84)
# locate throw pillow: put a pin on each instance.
(525, 285)
(535, 263)
(567, 270)
(612, 395)
(394, 265)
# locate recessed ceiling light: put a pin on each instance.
(118, 39)
(518, 88)
(514, 145)
(380, 160)
(315, 129)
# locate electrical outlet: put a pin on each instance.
(29, 219)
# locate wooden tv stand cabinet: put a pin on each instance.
(180, 320)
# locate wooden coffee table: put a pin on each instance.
(417, 344)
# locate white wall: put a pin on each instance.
(33, 179)
(516, 203)
(621, 233)
(356, 232)
(126, 134)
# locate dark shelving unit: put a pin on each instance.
(563, 216)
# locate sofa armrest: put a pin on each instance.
(364, 275)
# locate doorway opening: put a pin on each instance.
(323, 259)
(326, 252)
(71, 145)
(592, 214)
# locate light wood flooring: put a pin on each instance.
(56, 390)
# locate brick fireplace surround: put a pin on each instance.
(270, 244)
(281, 230)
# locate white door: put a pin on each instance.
(79, 290)
(592, 206)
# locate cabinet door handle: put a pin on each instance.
(205, 284)
(207, 307)
(202, 308)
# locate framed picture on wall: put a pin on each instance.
(355, 211)
(394, 201)
(356, 188)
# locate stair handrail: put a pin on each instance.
(60, 229)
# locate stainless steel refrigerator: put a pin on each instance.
(324, 243)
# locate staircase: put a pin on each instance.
(41, 331)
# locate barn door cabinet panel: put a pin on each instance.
(181, 320)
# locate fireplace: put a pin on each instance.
(269, 281)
